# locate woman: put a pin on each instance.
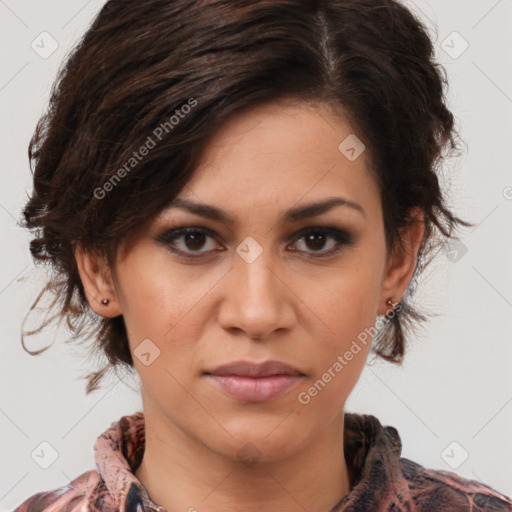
(237, 197)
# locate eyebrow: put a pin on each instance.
(293, 215)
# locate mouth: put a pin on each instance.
(250, 369)
(255, 382)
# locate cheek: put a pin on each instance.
(347, 301)
(347, 306)
(155, 295)
(322, 399)
(339, 365)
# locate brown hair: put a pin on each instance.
(184, 67)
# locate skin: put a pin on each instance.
(287, 304)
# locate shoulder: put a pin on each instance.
(86, 493)
(435, 489)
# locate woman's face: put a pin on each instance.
(299, 289)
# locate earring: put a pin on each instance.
(391, 303)
(105, 302)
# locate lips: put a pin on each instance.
(248, 369)
(254, 382)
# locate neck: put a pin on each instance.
(180, 473)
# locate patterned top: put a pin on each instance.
(380, 480)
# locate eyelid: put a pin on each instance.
(343, 237)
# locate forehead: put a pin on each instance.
(265, 163)
(282, 154)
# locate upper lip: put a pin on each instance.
(251, 369)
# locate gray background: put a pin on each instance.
(451, 399)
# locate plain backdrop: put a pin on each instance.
(451, 401)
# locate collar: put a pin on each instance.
(372, 453)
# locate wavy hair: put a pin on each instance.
(183, 68)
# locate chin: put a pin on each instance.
(263, 442)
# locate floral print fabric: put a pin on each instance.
(381, 480)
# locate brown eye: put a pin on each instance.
(187, 241)
(192, 242)
(315, 240)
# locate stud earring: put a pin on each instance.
(105, 302)
(391, 303)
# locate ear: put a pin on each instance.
(402, 261)
(96, 277)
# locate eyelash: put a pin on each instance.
(343, 238)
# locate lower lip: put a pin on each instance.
(255, 389)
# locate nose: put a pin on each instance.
(258, 300)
